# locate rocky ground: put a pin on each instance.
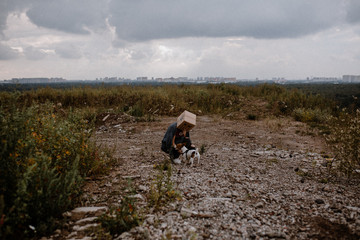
(261, 179)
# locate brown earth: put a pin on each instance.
(257, 179)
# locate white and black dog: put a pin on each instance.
(190, 155)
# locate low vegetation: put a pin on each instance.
(127, 214)
(43, 160)
(311, 115)
(172, 99)
(162, 189)
(345, 143)
(121, 218)
(46, 148)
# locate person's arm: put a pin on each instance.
(173, 141)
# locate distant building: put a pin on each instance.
(220, 79)
(231, 79)
(325, 79)
(36, 80)
(351, 78)
(109, 79)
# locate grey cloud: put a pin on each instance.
(32, 53)
(69, 16)
(143, 20)
(138, 55)
(7, 7)
(75, 16)
(3, 17)
(353, 13)
(7, 53)
(68, 51)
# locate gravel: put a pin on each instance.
(253, 182)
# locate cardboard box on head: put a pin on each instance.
(186, 121)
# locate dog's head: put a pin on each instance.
(180, 145)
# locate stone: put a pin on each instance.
(137, 196)
(125, 235)
(149, 219)
(81, 212)
(85, 227)
(319, 201)
(228, 196)
(259, 205)
(163, 225)
(142, 188)
(85, 220)
(185, 212)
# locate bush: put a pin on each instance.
(345, 142)
(42, 160)
(139, 101)
(310, 115)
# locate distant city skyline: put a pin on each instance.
(263, 39)
(344, 79)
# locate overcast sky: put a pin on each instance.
(88, 39)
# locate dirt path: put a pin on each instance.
(256, 180)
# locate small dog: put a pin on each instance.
(190, 155)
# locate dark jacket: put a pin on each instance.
(166, 143)
(167, 140)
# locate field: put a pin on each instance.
(275, 163)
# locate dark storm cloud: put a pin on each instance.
(3, 16)
(141, 20)
(75, 16)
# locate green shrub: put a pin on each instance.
(137, 111)
(345, 142)
(310, 115)
(42, 160)
(203, 149)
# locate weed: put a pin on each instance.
(345, 142)
(137, 111)
(140, 101)
(123, 217)
(203, 149)
(167, 235)
(162, 189)
(275, 123)
(270, 161)
(310, 115)
(324, 180)
(303, 173)
(43, 158)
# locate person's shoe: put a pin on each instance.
(177, 161)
